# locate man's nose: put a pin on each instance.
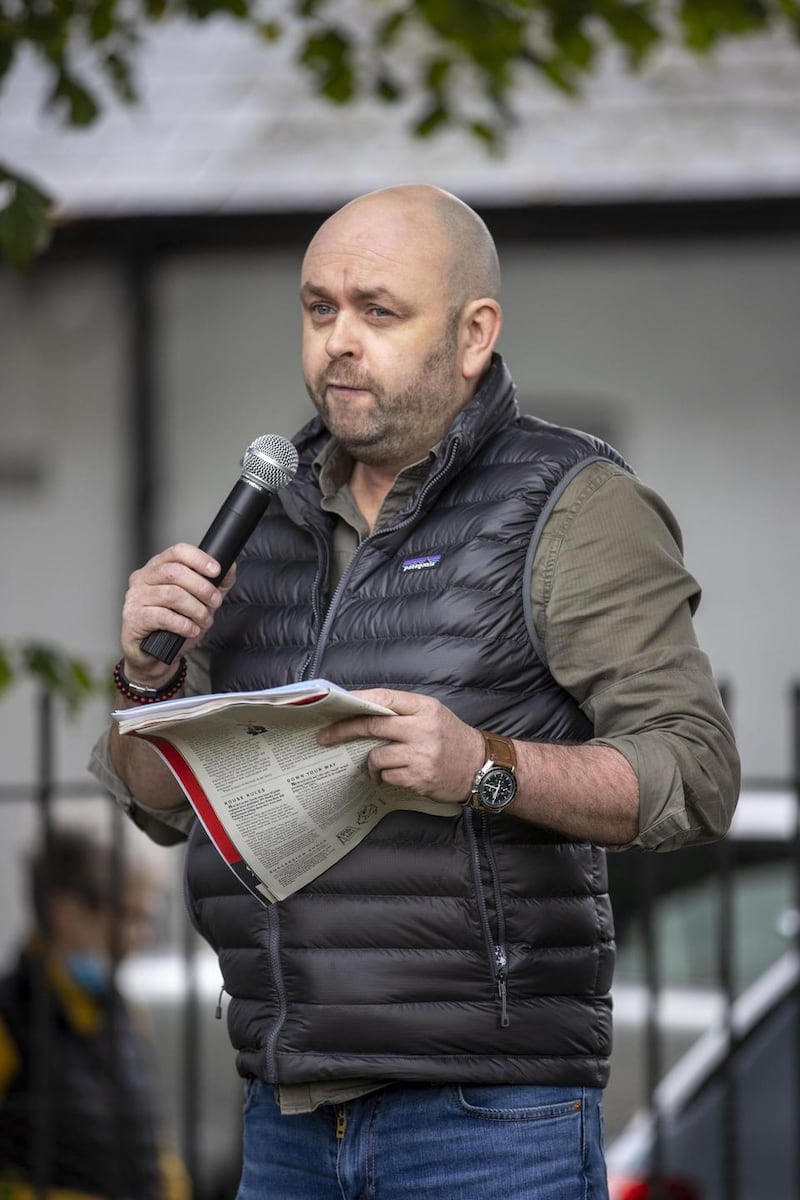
(343, 340)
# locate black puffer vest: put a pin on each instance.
(478, 949)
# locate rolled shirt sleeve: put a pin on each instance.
(612, 604)
(165, 826)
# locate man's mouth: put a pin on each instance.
(350, 388)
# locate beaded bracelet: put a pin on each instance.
(147, 695)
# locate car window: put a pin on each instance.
(687, 923)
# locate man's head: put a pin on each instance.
(400, 316)
(90, 906)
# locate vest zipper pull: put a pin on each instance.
(341, 1122)
(502, 984)
(218, 1009)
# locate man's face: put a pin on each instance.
(380, 336)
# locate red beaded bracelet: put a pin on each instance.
(146, 695)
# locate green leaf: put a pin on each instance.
(633, 26)
(6, 671)
(81, 106)
(7, 51)
(308, 8)
(491, 35)
(434, 119)
(271, 31)
(101, 19)
(553, 70)
(577, 49)
(24, 224)
(327, 56)
(387, 89)
(389, 30)
(437, 73)
(64, 676)
(119, 73)
(491, 137)
(705, 24)
(82, 676)
(201, 10)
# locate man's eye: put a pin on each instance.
(377, 311)
(321, 310)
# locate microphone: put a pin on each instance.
(268, 464)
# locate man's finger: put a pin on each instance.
(354, 727)
(404, 704)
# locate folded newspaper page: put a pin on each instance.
(279, 808)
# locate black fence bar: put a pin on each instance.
(144, 436)
(726, 966)
(121, 1117)
(191, 1054)
(652, 1031)
(727, 978)
(795, 703)
(41, 1117)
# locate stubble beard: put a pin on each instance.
(397, 426)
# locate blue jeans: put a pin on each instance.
(409, 1142)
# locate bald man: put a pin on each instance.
(431, 1017)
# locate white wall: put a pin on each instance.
(62, 337)
(230, 332)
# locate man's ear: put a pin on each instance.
(481, 323)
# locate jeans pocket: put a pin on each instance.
(513, 1103)
(251, 1091)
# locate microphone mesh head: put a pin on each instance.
(270, 462)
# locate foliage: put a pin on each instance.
(396, 48)
(63, 675)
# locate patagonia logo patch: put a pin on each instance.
(421, 563)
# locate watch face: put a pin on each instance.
(497, 788)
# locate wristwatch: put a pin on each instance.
(495, 784)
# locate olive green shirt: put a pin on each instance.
(612, 603)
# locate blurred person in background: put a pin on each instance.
(78, 1111)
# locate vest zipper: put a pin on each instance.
(496, 952)
(501, 956)
(501, 970)
(271, 1053)
(312, 669)
(316, 597)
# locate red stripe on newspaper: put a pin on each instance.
(198, 798)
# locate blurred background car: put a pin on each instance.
(724, 1118)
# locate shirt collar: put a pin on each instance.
(333, 467)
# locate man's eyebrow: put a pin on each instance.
(378, 293)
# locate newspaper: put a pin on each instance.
(278, 807)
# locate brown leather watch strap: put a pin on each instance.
(499, 749)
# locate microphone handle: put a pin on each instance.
(223, 540)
